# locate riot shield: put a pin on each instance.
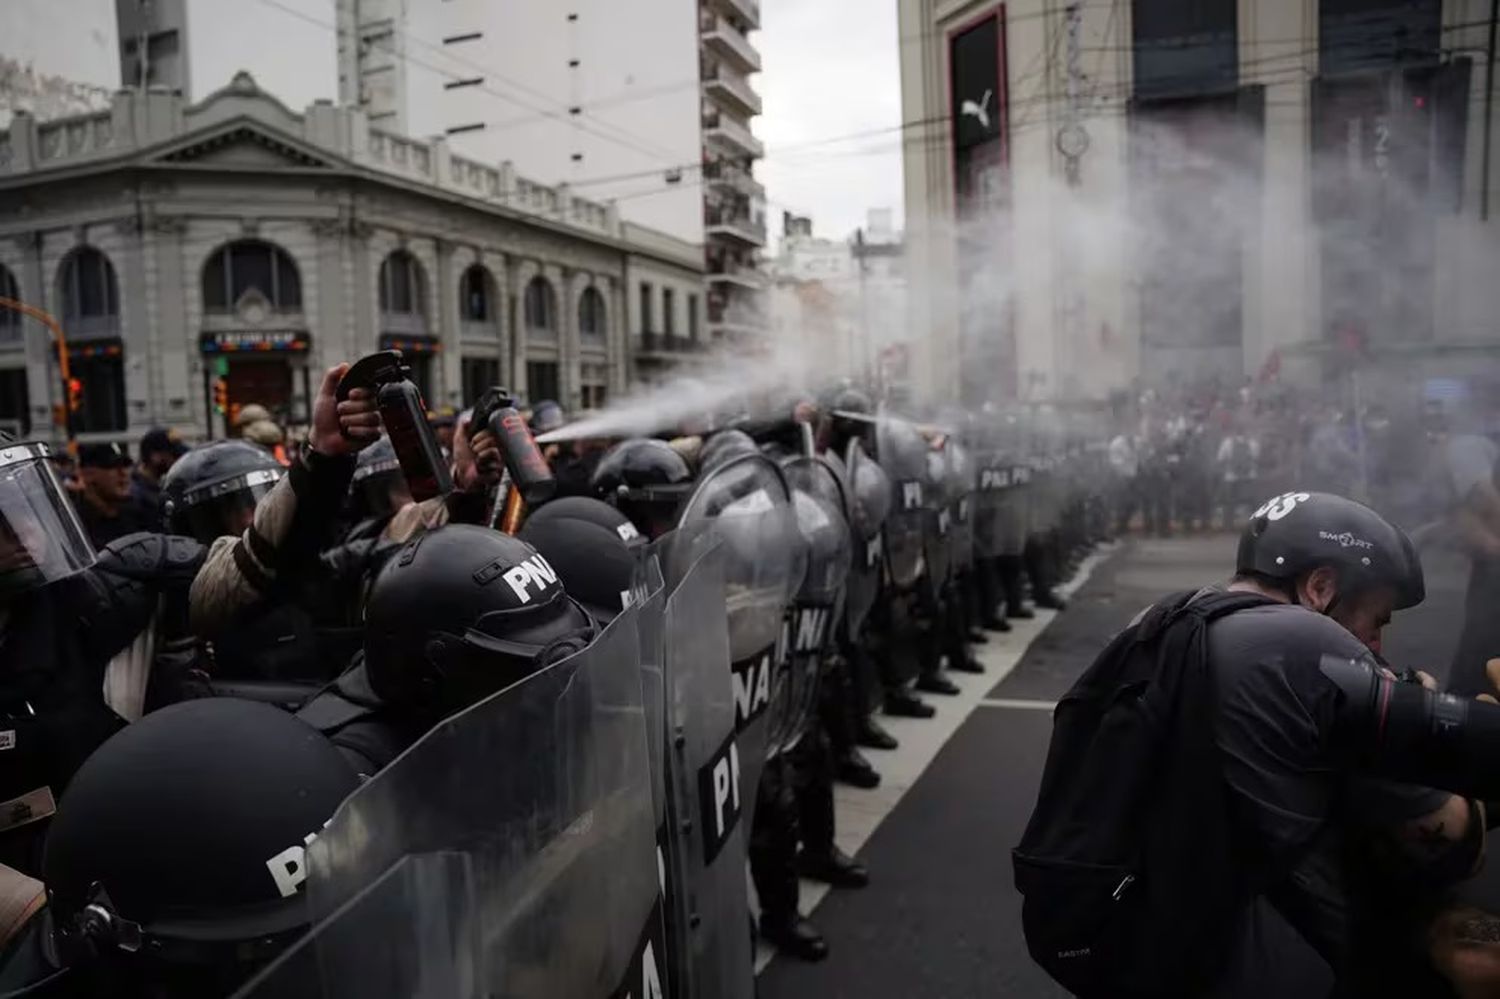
(744, 507)
(818, 502)
(1002, 487)
(903, 454)
(649, 594)
(507, 853)
(937, 525)
(961, 502)
(870, 495)
(708, 802)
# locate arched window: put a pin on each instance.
(474, 303)
(541, 306)
(10, 320)
(401, 288)
(591, 313)
(251, 264)
(87, 285)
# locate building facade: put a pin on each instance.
(597, 94)
(841, 305)
(734, 202)
(1162, 190)
(229, 251)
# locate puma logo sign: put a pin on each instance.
(980, 111)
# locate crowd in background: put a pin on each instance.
(1202, 457)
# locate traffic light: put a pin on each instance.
(221, 396)
(75, 395)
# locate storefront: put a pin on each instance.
(268, 368)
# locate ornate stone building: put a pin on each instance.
(232, 249)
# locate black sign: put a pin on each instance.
(977, 86)
(752, 687)
(643, 979)
(719, 798)
(254, 342)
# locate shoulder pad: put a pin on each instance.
(156, 558)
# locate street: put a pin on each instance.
(941, 917)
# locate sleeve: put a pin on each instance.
(1270, 735)
(291, 527)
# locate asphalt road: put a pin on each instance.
(941, 918)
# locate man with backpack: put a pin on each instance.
(1213, 789)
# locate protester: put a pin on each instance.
(103, 500)
(159, 451)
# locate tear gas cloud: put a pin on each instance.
(1200, 245)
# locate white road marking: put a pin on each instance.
(1010, 702)
(858, 813)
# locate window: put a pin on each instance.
(541, 306)
(541, 380)
(401, 284)
(249, 264)
(592, 379)
(474, 295)
(87, 283)
(10, 320)
(15, 402)
(591, 313)
(647, 322)
(479, 374)
(102, 379)
(669, 311)
(477, 126)
(692, 303)
(469, 37)
(472, 81)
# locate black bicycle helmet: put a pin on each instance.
(1297, 532)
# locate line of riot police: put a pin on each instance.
(400, 720)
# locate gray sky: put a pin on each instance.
(831, 68)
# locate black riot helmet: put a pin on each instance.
(212, 490)
(592, 546)
(1297, 532)
(547, 416)
(378, 488)
(177, 852)
(461, 612)
(646, 480)
(41, 539)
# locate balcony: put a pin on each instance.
(724, 173)
(734, 225)
(667, 346)
(730, 91)
(739, 275)
(746, 10)
(729, 43)
(731, 136)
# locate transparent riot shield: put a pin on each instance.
(818, 502)
(937, 524)
(508, 853)
(744, 508)
(903, 454)
(650, 595)
(870, 494)
(961, 502)
(708, 801)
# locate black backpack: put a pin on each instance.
(1131, 884)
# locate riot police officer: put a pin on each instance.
(458, 613)
(175, 863)
(74, 628)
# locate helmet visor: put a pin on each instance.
(41, 539)
(225, 508)
(746, 507)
